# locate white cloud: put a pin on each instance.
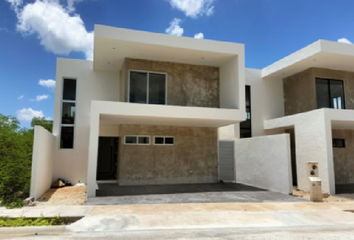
(49, 83)
(71, 4)
(344, 40)
(175, 28)
(26, 114)
(199, 35)
(194, 8)
(58, 29)
(20, 97)
(42, 97)
(3, 29)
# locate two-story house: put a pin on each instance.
(309, 95)
(158, 109)
(145, 110)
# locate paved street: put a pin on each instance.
(296, 220)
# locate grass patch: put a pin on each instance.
(22, 221)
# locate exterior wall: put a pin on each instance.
(300, 89)
(71, 164)
(268, 155)
(192, 159)
(343, 157)
(313, 141)
(42, 161)
(300, 92)
(187, 85)
(266, 103)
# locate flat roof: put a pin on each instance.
(320, 54)
(112, 45)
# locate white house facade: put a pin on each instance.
(157, 109)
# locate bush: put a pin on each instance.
(15, 161)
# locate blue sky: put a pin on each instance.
(33, 33)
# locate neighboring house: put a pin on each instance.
(158, 109)
(146, 110)
(310, 95)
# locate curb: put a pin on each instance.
(34, 230)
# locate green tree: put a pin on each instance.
(15, 160)
(42, 121)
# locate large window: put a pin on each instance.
(330, 93)
(246, 126)
(147, 87)
(68, 114)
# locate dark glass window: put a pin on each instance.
(69, 91)
(169, 140)
(246, 126)
(138, 87)
(338, 143)
(67, 137)
(147, 88)
(157, 88)
(68, 113)
(144, 140)
(330, 93)
(130, 140)
(159, 140)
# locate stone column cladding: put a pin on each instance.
(343, 157)
(187, 85)
(192, 158)
(300, 89)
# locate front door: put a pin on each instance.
(107, 158)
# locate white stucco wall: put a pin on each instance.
(267, 102)
(42, 161)
(264, 162)
(313, 141)
(71, 164)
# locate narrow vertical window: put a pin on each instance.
(246, 126)
(68, 108)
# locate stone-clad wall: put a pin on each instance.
(187, 85)
(300, 89)
(344, 157)
(192, 159)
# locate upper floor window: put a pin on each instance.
(246, 126)
(330, 93)
(147, 87)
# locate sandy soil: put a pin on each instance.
(63, 196)
(326, 197)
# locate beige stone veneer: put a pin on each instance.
(192, 159)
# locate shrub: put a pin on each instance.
(20, 222)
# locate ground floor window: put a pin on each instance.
(162, 140)
(137, 140)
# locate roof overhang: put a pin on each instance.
(113, 113)
(320, 54)
(113, 45)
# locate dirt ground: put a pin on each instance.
(326, 197)
(74, 195)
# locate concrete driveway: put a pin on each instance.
(111, 194)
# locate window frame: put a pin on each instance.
(147, 85)
(164, 141)
(247, 88)
(137, 140)
(62, 100)
(330, 93)
(334, 140)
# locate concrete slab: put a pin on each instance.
(48, 211)
(185, 193)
